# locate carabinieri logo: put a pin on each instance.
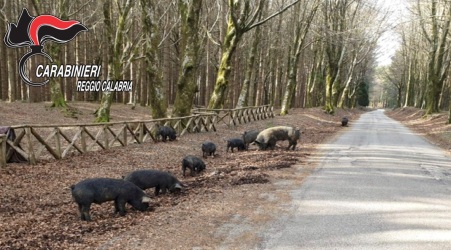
(34, 31)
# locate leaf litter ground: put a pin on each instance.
(37, 211)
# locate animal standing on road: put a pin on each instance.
(344, 121)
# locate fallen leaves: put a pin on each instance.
(37, 211)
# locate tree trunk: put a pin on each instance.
(279, 83)
(311, 81)
(103, 112)
(332, 75)
(156, 89)
(449, 111)
(336, 84)
(11, 65)
(222, 80)
(244, 94)
(187, 85)
(438, 64)
(11, 79)
(410, 84)
(56, 95)
(115, 49)
(301, 30)
(144, 83)
(328, 107)
(317, 79)
(345, 93)
(3, 54)
(289, 90)
(237, 26)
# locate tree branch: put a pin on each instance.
(251, 26)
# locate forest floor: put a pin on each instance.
(222, 207)
(434, 128)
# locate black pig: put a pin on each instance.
(99, 190)
(235, 143)
(344, 121)
(193, 163)
(166, 132)
(160, 180)
(249, 137)
(208, 148)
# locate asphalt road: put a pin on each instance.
(377, 186)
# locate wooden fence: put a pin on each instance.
(234, 117)
(39, 142)
(2, 150)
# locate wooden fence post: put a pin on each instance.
(105, 136)
(59, 152)
(3, 150)
(141, 132)
(124, 136)
(31, 155)
(83, 139)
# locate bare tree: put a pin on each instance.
(241, 19)
(56, 94)
(363, 41)
(414, 64)
(339, 19)
(250, 66)
(335, 16)
(436, 32)
(186, 85)
(116, 51)
(153, 77)
(396, 75)
(3, 54)
(288, 63)
(302, 27)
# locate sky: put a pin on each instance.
(390, 41)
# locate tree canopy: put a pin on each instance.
(226, 54)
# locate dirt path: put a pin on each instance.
(37, 210)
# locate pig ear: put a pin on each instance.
(146, 199)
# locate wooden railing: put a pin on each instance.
(2, 150)
(234, 117)
(39, 142)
